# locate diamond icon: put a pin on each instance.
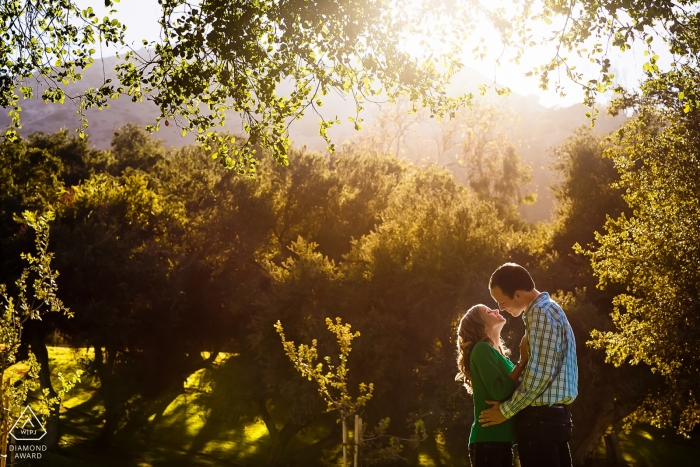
(28, 427)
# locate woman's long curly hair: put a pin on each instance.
(470, 331)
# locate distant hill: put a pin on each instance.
(539, 128)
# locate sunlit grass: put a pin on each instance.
(188, 432)
(204, 427)
(424, 460)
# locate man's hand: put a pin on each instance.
(492, 416)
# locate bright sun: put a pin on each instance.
(484, 52)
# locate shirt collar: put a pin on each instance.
(540, 298)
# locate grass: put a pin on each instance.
(197, 428)
(202, 427)
(652, 447)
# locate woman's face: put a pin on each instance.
(492, 318)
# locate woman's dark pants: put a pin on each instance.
(543, 436)
(491, 454)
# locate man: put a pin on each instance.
(550, 380)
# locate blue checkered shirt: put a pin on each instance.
(551, 376)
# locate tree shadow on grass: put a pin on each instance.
(231, 428)
(210, 422)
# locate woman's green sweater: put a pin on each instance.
(490, 381)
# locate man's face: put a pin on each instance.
(505, 303)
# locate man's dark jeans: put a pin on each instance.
(543, 436)
(491, 454)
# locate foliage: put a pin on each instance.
(332, 385)
(17, 311)
(592, 30)
(166, 257)
(474, 145)
(379, 448)
(273, 61)
(333, 388)
(48, 42)
(586, 197)
(28, 180)
(586, 193)
(218, 55)
(232, 56)
(484, 157)
(653, 252)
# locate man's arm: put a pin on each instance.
(543, 338)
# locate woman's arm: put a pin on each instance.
(522, 364)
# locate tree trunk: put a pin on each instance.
(286, 434)
(36, 337)
(612, 449)
(113, 406)
(596, 426)
(306, 455)
(345, 440)
(279, 439)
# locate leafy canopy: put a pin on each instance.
(654, 253)
(221, 55)
(273, 61)
(47, 43)
(593, 29)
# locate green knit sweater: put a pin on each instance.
(490, 381)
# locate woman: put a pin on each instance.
(488, 374)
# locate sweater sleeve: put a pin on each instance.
(498, 384)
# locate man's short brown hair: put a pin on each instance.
(510, 277)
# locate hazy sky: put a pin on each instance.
(141, 18)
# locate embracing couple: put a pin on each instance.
(525, 404)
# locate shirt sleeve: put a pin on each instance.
(499, 385)
(545, 349)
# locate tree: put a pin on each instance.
(33, 176)
(28, 180)
(474, 145)
(592, 30)
(392, 127)
(652, 252)
(48, 43)
(403, 281)
(332, 386)
(133, 245)
(166, 255)
(219, 55)
(586, 195)
(413, 276)
(17, 312)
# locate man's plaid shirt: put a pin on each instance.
(551, 376)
